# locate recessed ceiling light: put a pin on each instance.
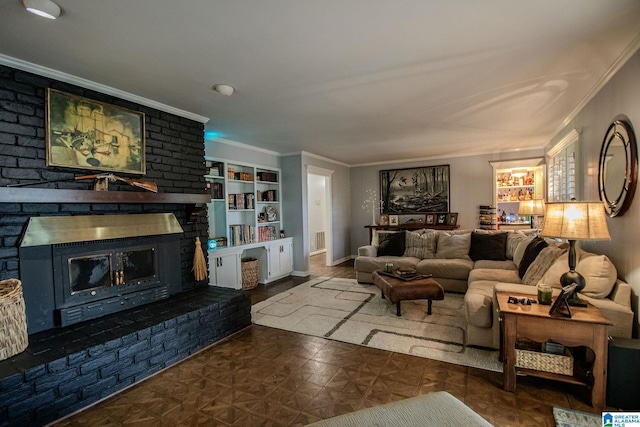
(44, 8)
(223, 89)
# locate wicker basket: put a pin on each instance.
(250, 273)
(545, 362)
(13, 321)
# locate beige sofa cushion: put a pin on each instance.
(421, 245)
(453, 246)
(455, 268)
(599, 272)
(495, 275)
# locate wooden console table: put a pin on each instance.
(410, 226)
(588, 327)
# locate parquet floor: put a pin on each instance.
(267, 377)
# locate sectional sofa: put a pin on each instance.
(479, 263)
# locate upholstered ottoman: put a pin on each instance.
(398, 290)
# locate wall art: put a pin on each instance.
(415, 190)
(87, 134)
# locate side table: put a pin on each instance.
(587, 327)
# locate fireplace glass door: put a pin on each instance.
(89, 272)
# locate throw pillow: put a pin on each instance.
(518, 253)
(392, 244)
(420, 245)
(599, 274)
(488, 246)
(545, 259)
(530, 254)
(513, 240)
(453, 246)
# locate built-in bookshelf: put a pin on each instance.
(245, 223)
(245, 203)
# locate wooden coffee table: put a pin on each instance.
(398, 290)
(587, 327)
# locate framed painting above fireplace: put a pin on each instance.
(415, 190)
(87, 134)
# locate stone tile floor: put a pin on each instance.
(268, 377)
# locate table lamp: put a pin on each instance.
(533, 208)
(575, 221)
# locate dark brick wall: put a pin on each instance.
(61, 373)
(174, 160)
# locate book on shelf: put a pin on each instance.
(241, 234)
(216, 190)
(266, 196)
(266, 233)
(267, 176)
(241, 201)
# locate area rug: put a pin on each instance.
(570, 418)
(344, 310)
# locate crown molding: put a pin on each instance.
(243, 146)
(626, 54)
(98, 87)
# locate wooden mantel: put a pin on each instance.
(49, 195)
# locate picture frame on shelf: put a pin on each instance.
(441, 219)
(82, 133)
(393, 220)
(452, 218)
(384, 219)
(430, 219)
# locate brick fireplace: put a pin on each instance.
(75, 358)
(78, 268)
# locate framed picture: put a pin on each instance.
(87, 134)
(384, 219)
(441, 219)
(393, 220)
(452, 218)
(415, 190)
(430, 219)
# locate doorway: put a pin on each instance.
(319, 213)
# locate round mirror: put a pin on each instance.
(618, 168)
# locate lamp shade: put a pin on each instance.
(531, 207)
(575, 221)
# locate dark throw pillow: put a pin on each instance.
(530, 254)
(392, 245)
(490, 246)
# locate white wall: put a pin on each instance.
(621, 95)
(317, 207)
(471, 185)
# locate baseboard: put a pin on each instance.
(341, 260)
(321, 251)
(300, 273)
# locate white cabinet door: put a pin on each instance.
(286, 258)
(280, 259)
(225, 270)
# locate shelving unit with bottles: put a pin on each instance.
(487, 217)
(513, 186)
(245, 221)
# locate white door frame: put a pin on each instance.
(327, 173)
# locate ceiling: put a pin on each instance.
(359, 81)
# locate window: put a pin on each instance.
(562, 169)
